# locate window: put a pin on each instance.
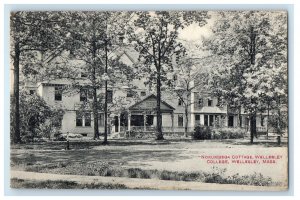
(143, 93)
(220, 102)
(230, 121)
(246, 121)
(100, 119)
(200, 102)
(130, 93)
(109, 96)
(149, 120)
(31, 92)
(197, 119)
(209, 102)
(205, 120)
(211, 120)
(180, 120)
(57, 93)
(78, 119)
(83, 119)
(180, 103)
(261, 120)
(83, 94)
(87, 119)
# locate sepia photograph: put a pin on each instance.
(149, 100)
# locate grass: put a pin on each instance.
(105, 169)
(26, 184)
(82, 160)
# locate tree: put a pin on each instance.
(35, 116)
(154, 35)
(31, 32)
(84, 57)
(189, 76)
(249, 45)
(89, 63)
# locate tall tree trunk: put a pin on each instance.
(158, 111)
(252, 126)
(95, 114)
(240, 116)
(95, 102)
(106, 97)
(16, 99)
(268, 120)
(186, 120)
(105, 115)
(279, 116)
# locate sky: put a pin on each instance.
(192, 36)
(194, 32)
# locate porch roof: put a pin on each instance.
(149, 104)
(212, 109)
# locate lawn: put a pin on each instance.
(166, 160)
(25, 184)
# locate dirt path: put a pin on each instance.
(141, 183)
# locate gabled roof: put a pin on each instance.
(148, 98)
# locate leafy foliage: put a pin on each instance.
(202, 133)
(251, 52)
(235, 78)
(104, 169)
(37, 119)
(228, 133)
(155, 36)
(20, 183)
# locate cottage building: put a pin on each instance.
(132, 106)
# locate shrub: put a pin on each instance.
(130, 134)
(228, 133)
(137, 173)
(62, 184)
(201, 133)
(58, 136)
(37, 119)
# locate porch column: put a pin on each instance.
(129, 120)
(145, 119)
(172, 119)
(119, 123)
(214, 120)
(154, 120)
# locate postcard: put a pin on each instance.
(154, 100)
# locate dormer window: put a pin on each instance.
(180, 103)
(57, 93)
(31, 92)
(200, 102)
(143, 93)
(130, 93)
(83, 94)
(209, 102)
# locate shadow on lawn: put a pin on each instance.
(114, 157)
(78, 144)
(263, 143)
